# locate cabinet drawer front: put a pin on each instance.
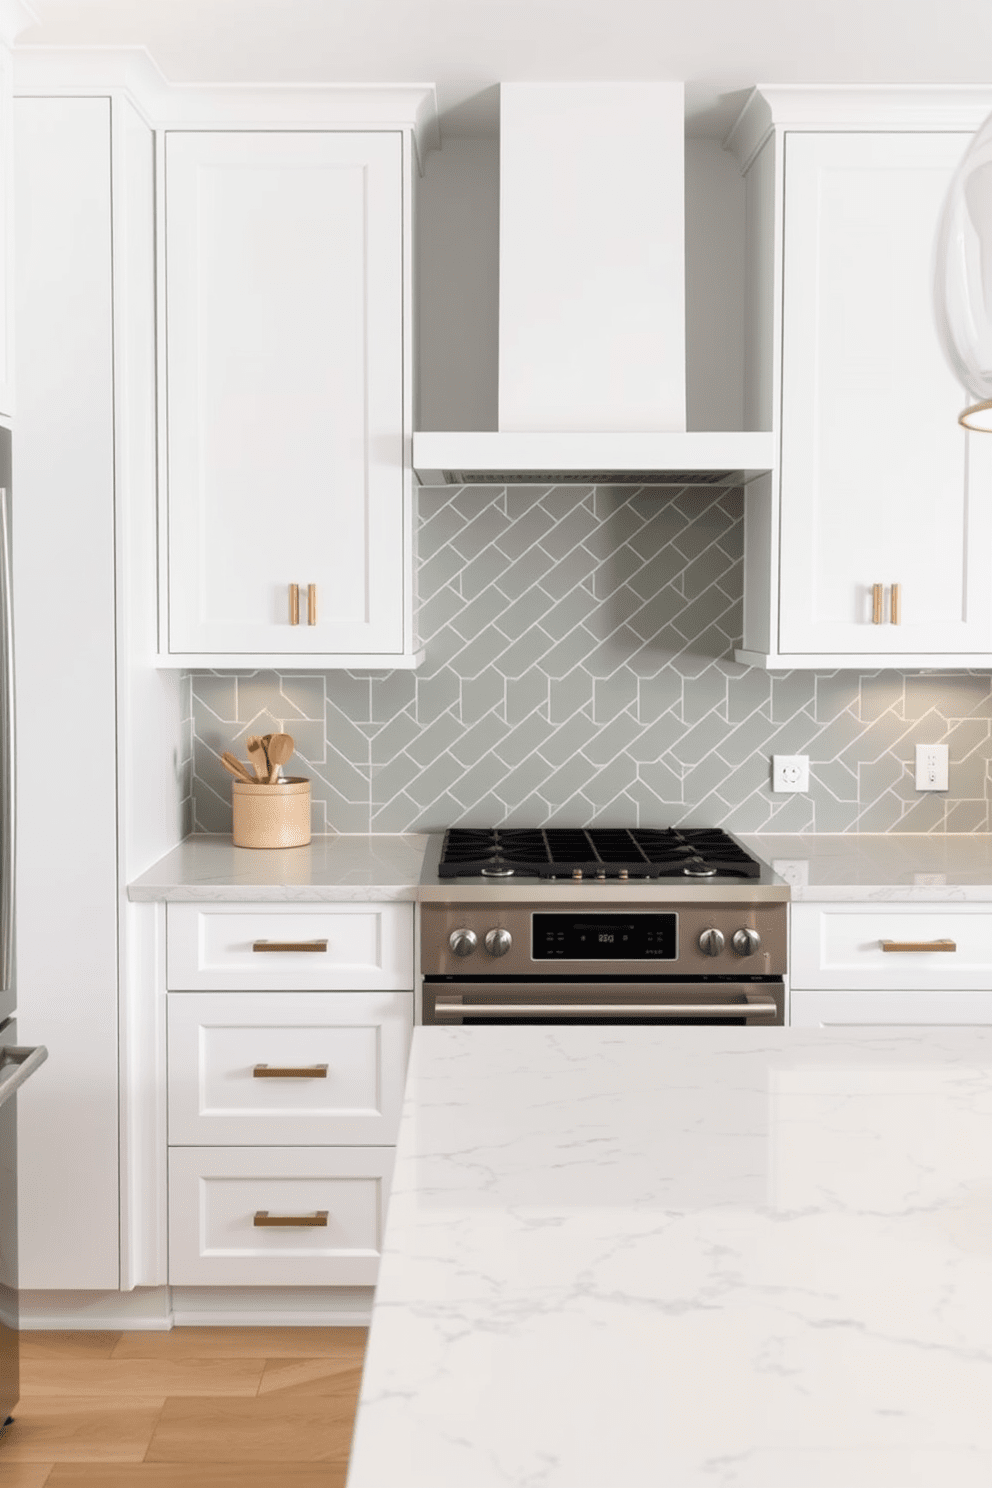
(223, 947)
(217, 1193)
(841, 946)
(344, 1056)
(892, 1009)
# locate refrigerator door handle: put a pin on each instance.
(16, 1066)
(7, 792)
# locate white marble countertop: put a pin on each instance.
(644, 1257)
(923, 867)
(213, 870)
(896, 866)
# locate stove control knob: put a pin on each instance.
(746, 942)
(463, 942)
(498, 942)
(711, 942)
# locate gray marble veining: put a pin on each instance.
(642, 1257)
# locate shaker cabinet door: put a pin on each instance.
(886, 501)
(284, 290)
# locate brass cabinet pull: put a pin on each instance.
(311, 604)
(895, 606)
(294, 604)
(918, 945)
(876, 603)
(289, 945)
(265, 1221)
(289, 1072)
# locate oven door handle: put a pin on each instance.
(753, 1006)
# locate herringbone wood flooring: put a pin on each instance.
(194, 1408)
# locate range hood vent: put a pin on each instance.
(667, 460)
(588, 478)
(591, 355)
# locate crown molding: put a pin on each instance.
(133, 73)
(879, 106)
(16, 16)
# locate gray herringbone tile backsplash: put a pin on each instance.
(579, 668)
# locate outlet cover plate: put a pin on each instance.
(931, 767)
(790, 772)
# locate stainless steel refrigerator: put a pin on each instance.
(17, 1064)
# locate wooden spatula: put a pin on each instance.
(281, 747)
(234, 767)
(256, 753)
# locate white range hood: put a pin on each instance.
(464, 459)
(591, 302)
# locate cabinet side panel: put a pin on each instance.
(64, 627)
(153, 748)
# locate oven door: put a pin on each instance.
(640, 1001)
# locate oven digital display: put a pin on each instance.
(604, 937)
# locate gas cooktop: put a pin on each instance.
(597, 853)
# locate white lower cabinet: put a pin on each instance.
(284, 1102)
(277, 1216)
(297, 1068)
(300, 947)
(890, 964)
(868, 1007)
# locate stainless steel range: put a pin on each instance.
(678, 925)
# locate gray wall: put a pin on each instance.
(579, 668)
(457, 276)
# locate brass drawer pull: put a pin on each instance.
(265, 1221)
(919, 945)
(311, 604)
(294, 604)
(289, 945)
(289, 1072)
(876, 603)
(895, 605)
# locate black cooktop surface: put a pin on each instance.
(596, 853)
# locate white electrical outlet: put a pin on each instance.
(790, 772)
(931, 767)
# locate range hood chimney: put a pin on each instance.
(591, 302)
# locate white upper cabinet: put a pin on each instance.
(880, 484)
(286, 304)
(871, 547)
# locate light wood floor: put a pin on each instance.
(194, 1408)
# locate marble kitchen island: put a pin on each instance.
(633, 1257)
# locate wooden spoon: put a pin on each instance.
(234, 767)
(256, 753)
(281, 747)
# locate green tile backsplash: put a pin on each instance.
(579, 668)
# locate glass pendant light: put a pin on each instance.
(963, 278)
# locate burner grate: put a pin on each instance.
(596, 852)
